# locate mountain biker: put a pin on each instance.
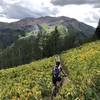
(56, 73)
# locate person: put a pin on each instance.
(56, 73)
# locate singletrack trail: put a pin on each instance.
(65, 81)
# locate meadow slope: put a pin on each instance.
(33, 81)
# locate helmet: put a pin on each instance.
(57, 63)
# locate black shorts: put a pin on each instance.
(56, 79)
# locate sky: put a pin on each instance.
(87, 11)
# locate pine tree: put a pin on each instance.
(97, 32)
(53, 43)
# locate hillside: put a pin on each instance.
(34, 38)
(33, 81)
(12, 31)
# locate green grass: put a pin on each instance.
(63, 31)
(47, 28)
(33, 81)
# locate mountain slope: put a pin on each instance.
(34, 38)
(12, 31)
(33, 81)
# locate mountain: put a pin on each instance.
(35, 38)
(11, 31)
(34, 81)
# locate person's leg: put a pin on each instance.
(54, 80)
(60, 81)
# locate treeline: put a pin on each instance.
(97, 32)
(29, 48)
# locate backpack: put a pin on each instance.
(56, 71)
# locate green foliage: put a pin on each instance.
(27, 81)
(42, 41)
(23, 51)
(9, 36)
(97, 32)
(33, 81)
(62, 30)
(47, 28)
(84, 73)
(52, 45)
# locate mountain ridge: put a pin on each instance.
(40, 20)
(29, 24)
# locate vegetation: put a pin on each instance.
(33, 81)
(39, 44)
(9, 36)
(97, 32)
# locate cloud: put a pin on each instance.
(18, 9)
(97, 5)
(76, 2)
(4, 19)
(87, 11)
(19, 12)
(1, 2)
(83, 13)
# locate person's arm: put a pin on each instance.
(62, 70)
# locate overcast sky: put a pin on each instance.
(87, 11)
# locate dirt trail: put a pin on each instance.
(63, 85)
